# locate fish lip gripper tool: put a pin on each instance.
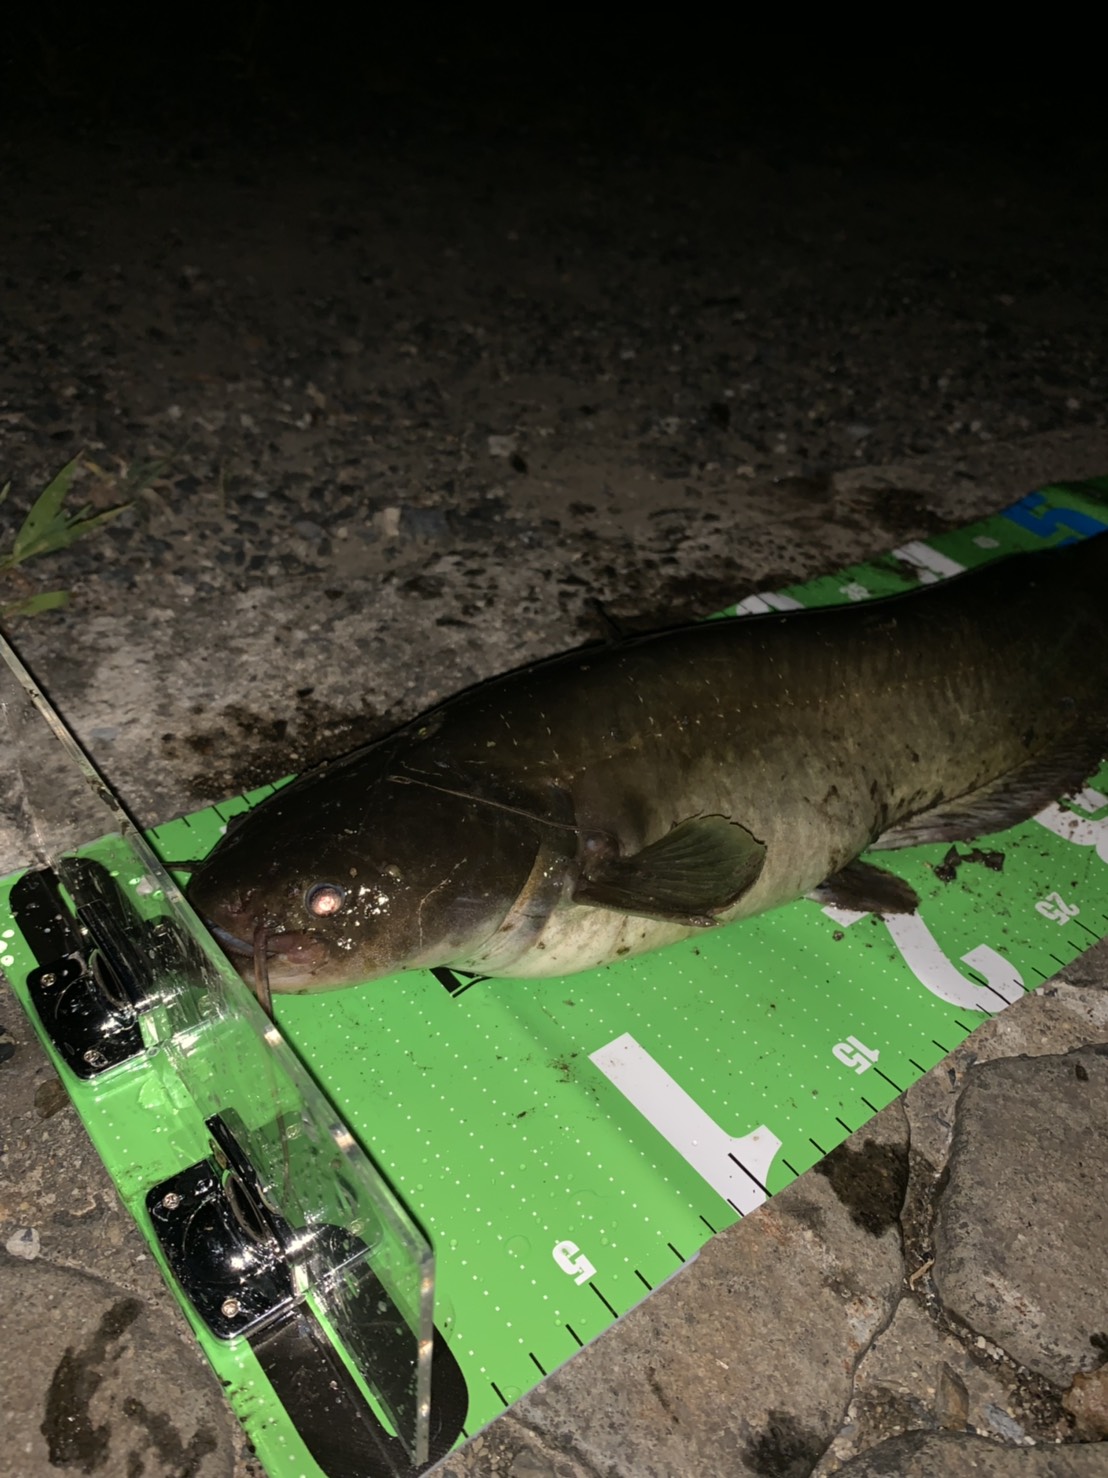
(295, 1262)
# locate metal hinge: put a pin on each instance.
(229, 1251)
(222, 1240)
(95, 975)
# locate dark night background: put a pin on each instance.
(684, 79)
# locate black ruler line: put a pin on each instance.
(614, 1313)
(748, 1173)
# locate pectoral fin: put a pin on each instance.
(866, 889)
(689, 876)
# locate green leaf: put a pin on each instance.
(48, 527)
(80, 523)
(46, 600)
(4, 491)
(41, 524)
(142, 474)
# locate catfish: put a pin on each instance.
(615, 799)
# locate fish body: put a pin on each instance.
(615, 799)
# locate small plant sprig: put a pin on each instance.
(49, 526)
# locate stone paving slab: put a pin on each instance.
(93, 1379)
(1035, 1127)
(942, 1455)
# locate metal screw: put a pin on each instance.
(229, 1307)
(94, 1057)
(48, 979)
(170, 1201)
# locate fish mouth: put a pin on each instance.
(300, 950)
(291, 957)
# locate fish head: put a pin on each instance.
(345, 877)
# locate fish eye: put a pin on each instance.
(324, 899)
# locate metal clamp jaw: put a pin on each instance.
(227, 1248)
(234, 1258)
(88, 990)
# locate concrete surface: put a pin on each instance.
(418, 392)
(89, 1345)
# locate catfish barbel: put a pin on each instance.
(618, 798)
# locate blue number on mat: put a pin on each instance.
(1051, 519)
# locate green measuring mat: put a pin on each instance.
(566, 1145)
